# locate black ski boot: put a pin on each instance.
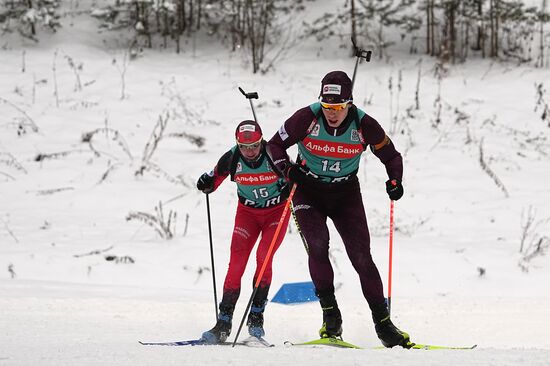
(332, 318)
(255, 321)
(222, 329)
(386, 331)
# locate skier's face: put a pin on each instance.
(252, 151)
(335, 114)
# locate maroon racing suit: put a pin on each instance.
(341, 201)
(250, 222)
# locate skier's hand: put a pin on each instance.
(206, 183)
(394, 189)
(299, 174)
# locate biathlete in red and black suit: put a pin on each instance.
(262, 195)
(331, 136)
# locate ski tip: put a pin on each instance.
(253, 341)
(413, 345)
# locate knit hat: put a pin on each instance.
(248, 132)
(336, 88)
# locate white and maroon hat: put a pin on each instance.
(336, 88)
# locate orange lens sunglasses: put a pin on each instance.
(335, 107)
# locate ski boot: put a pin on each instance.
(386, 331)
(332, 318)
(255, 321)
(222, 329)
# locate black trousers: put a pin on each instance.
(343, 204)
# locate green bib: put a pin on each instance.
(257, 187)
(331, 158)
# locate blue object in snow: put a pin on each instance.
(295, 293)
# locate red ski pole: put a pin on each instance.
(390, 256)
(266, 260)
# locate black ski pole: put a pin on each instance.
(212, 255)
(250, 96)
(359, 54)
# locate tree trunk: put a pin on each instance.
(479, 39)
(235, 24)
(466, 37)
(191, 6)
(267, 8)
(428, 28)
(452, 31)
(497, 26)
(243, 21)
(353, 21)
(541, 35)
(380, 40)
(432, 26)
(178, 25)
(251, 33)
(183, 17)
(33, 27)
(199, 14)
(494, 27)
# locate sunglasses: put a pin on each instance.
(249, 146)
(336, 106)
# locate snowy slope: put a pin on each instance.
(457, 278)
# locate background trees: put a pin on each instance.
(26, 16)
(452, 30)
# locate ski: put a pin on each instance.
(333, 342)
(430, 347)
(190, 342)
(412, 345)
(256, 342)
(250, 342)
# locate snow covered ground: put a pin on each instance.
(459, 276)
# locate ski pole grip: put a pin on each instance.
(368, 56)
(251, 95)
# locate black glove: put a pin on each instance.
(299, 174)
(206, 183)
(394, 189)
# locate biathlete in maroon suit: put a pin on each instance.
(331, 136)
(262, 194)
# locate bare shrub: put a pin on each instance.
(26, 120)
(152, 143)
(541, 104)
(121, 67)
(10, 161)
(196, 140)
(532, 242)
(11, 270)
(77, 69)
(117, 259)
(489, 171)
(164, 226)
(94, 252)
(114, 135)
(7, 228)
